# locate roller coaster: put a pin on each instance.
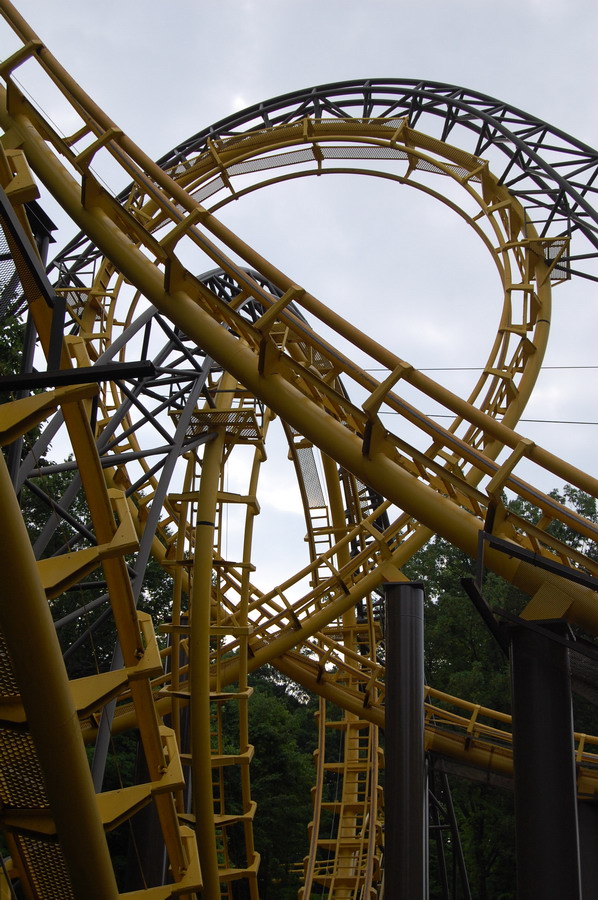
(162, 384)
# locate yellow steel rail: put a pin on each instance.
(286, 366)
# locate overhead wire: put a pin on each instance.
(392, 412)
(481, 369)
(470, 368)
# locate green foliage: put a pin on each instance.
(11, 348)
(464, 660)
(282, 777)
(283, 732)
(121, 772)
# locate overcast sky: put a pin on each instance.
(163, 71)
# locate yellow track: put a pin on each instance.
(222, 626)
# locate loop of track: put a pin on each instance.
(259, 357)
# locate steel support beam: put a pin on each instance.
(28, 381)
(199, 666)
(405, 793)
(545, 785)
(587, 811)
(25, 620)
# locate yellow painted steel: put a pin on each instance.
(25, 622)
(285, 367)
(213, 762)
(199, 670)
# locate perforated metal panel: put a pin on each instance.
(21, 780)
(8, 681)
(11, 292)
(46, 867)
(311, 479)
(240, 423)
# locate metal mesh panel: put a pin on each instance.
(350, 122)
(393, 123)
(311, 479)
(363, 153)
(28, 282)
(21, 780)
(8, 681)
(562, 270)
(307, 155)
(256, 136)
(11, 291)
(75, 303)
(369, 499)
(271, 162)
(321, 362)
(208, 189)
(240, 422)
(46, 868)
(459, 171)
(22, 276)
(254, 165)
(567, 172)
(429, 143)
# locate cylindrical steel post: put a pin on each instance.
(199, 667)
(545, 784)
(405, 794)
(587, 811)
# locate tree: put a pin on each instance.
(463, 659)
(283, 732)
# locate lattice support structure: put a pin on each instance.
(152, 449)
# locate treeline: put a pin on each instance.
(462, 659)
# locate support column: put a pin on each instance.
(545, 784)
(587, 811)
(199, 667)
(405, 793)
(26, 621)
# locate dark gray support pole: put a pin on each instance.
(545, 785)
(587, 811)
(405, 792)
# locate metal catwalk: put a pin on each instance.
(162, 385)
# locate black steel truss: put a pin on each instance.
(552, 174)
